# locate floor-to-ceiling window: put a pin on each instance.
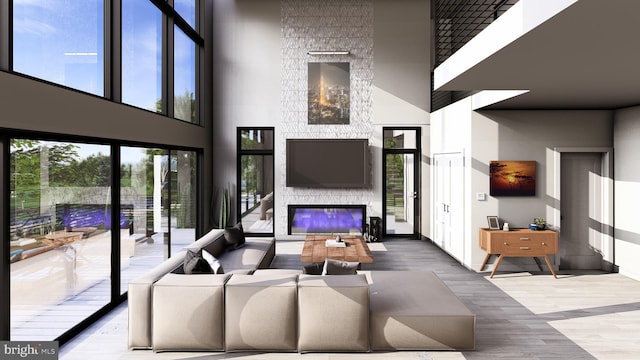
(62, 226)
(64, 42)
(135, 198)
(142, 55)
(182, 189)
(255, 176)
(150, 180)
(61, 41)
(184, 82)
(60, 235)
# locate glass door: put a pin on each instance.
(255, 176)
(401, 173)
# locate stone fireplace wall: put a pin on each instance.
(324, 25)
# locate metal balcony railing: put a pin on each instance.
(457, 22)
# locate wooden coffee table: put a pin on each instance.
(315, 251)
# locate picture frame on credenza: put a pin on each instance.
(494, 223)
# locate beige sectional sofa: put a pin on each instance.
(285, 310)
(257, 253)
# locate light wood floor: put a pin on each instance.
(580, 315)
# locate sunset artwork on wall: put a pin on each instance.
(512, 178)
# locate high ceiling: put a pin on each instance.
(586, 57)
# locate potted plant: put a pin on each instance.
(538, 224)
(224, 209)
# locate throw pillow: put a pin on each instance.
(234, 237)
(195, 264)
(213, 262)
(337, 267)
(313, 269)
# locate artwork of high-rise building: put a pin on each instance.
(329, 101)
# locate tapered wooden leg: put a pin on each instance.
(484, 262)
(497, 264)
(546, 258)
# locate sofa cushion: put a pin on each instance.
(338, 267)
(261, 312)
(333, 313)
(313, 269)
(234, 237)
(188, 313)
(250, 257)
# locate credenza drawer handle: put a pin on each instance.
(524, 238)
(524, 248)
(543, 244)
(506, 244)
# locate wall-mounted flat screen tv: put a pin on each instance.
(328, 163)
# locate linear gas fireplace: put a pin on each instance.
(326, 219)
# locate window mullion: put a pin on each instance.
(168, 69)
(6, 20)
(113, 50)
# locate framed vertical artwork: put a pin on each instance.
(512, 178)
(329, 93)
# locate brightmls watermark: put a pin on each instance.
(30, 350)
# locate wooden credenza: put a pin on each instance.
(518, 243)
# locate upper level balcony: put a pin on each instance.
(568, 54)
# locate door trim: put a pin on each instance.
(607, 190)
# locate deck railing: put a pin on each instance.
(457, 22)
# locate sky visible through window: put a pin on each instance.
(141, 54)
(186, 9)
(184, 76)
(62, 41)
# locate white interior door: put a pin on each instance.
(448, 203)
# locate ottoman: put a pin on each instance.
(333, 313)
(188, 312)
(415, 310)
(261, 312)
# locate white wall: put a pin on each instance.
(512, 135)
(627, 191)
(261, 80)
(402, 82)
(529, 135)
(246, 77)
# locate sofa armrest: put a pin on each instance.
(213, 242)
(140, 298)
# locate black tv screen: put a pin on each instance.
(328, 163)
